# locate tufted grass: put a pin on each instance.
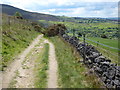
(71, 73)
(42, 67)
(15, 38)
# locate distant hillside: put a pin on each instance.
(114, 18)
(10, 10)
(97, 19)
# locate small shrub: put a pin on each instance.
(54, 29)
(36, 26)
(104, 36)
(18, 15)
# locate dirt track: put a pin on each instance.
(52, 72)
(16, 65)
(25, 79)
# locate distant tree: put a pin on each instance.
(55, 30)
(79, 34)
(103, 36)
(18, 15)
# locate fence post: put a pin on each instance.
(73, 32)
(9, 21)
(97, 43)
(84, 52)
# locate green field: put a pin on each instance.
(109, 42)
(106, 51)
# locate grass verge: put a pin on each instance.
(42, 67)
(71, 73)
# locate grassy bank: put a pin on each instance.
(42, 67)
(71, 73)
(16, 36)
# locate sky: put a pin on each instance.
(71, 8)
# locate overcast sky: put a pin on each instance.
(72, 8)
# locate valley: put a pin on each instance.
(47, 51)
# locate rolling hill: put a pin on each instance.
(10, 10)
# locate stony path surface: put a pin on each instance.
(21, 70)
(10, 72)
(26, 75)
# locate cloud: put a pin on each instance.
(87, 10)
(82, 8)
(27, 3)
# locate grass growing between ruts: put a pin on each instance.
(71, 73)
(42, 67)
